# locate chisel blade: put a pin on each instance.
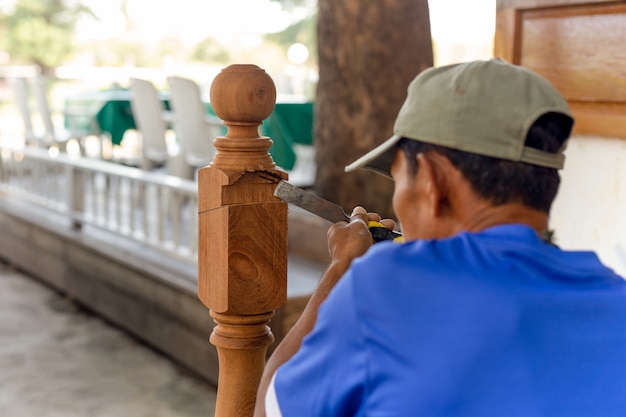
(310, 202)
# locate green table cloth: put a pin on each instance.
(110, 112)
(289, 124)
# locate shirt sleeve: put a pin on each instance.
(326, 376)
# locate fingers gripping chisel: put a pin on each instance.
(328, 210)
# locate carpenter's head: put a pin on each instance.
(501, 126)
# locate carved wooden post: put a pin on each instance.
(242, 236)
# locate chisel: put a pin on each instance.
(328, 210)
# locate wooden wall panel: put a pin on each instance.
(580, 47)
(535, 4)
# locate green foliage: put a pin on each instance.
(211, 51)
(41, 32)
(119, 52)
(303, 32)
(292, 4)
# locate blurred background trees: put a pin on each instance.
(355, 59)
(41, 32)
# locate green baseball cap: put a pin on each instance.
(480, 107)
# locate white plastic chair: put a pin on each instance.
(53, 136)
(195, 129)
(151, 120)
(20, 93)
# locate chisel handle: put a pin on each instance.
(380, 232)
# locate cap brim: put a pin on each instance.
(378, 159)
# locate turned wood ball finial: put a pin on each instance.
(243, 94)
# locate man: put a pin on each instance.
(477, 313)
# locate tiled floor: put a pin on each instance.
(58, 360)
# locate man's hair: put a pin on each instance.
(501, 181)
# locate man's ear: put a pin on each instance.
(434, 181)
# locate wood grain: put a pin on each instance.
(579, 47)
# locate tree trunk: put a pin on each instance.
(369, 51)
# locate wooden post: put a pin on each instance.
(242, 236)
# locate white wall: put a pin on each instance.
(590, 209)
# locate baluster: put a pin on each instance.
(95, 196)
(21, 172)
(113, 202)
(41, 181)
(17, 170)
(113, 192)
(12, 170)
(3, 168)
(57, 193)
(28, 174)
(132, 206)
(242, 236)
(76, 196)
(91, 182)
(60, 198)
(161, 212)
(102, 184)
(119, 204)
(34, 177)
(51, 189)
(50, 184)
(141, 205)
(110, 202)
(145, 202)
(133, 196)
(106, 199)
(87, 199)
(177, 199)
(192, 225)
(123, 204)
(98, 183)
(128, 204)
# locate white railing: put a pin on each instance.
(158, 210)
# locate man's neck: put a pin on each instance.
(485, 215)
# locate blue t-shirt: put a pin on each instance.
(496, 323)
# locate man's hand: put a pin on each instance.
(347, 241)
